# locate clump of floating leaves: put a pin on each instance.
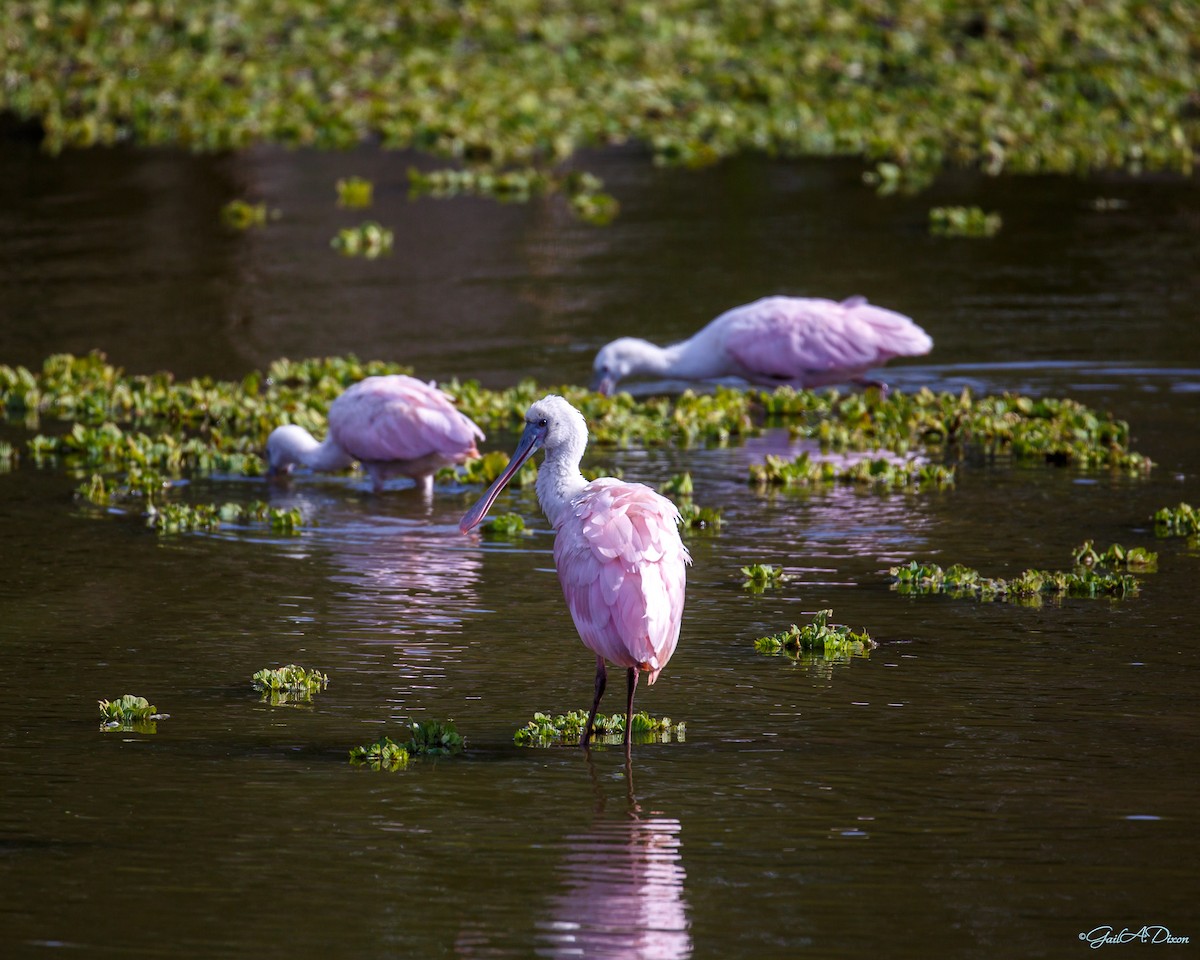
(384, 754)
(242, 215)
(1180, 521)
(291, 682)
(1114, 556)
(962, 427)
(544, 729)
(584, 191)
(819, 638)
(435, 738)
(759, 576)
(1029, 587)
(369, 239)
(431, 738)
(505, 525)
(485, 469)
(963, 222)
(691, 517)
(355, 192)
(882, 472)
(129, 713)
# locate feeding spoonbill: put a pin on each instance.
(393, 425)
(802, 341)
(617, 550)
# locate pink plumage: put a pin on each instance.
(382, 419)
(621, 564)
(392, 425)
(805, 342)
(617, 550)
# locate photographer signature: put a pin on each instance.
(1108, 936)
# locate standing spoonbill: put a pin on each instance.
(617, 550)
(805, 342)
(393, 425)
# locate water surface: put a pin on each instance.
(991, 780)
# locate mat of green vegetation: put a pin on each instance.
(1019, 85)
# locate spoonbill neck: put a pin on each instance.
(559, 481)
(692, 359)
(299, 446)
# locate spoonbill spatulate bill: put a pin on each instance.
(393, 425)
(617, 549)
(804, 342)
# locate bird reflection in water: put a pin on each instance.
(623, 887)
(403, 580)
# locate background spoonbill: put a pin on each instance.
(393, 425)
(617, 550)
(802, 341)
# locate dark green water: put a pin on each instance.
(993, 780)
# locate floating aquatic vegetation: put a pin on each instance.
(355, 192)
(1028, 587)
(134, 437)
(129, 713)
(759, 576)
(1180, 521)
(691, 517)
(1131, 558)
(830, 641)
(384, 754)
(544, 730)
(242, 215)
(963, 222)
(584, 191)
(8, 456)
(282, 684)
(1005, 87)
(369, 239)
(149, 487)
(505, 525)
(430, 738)
(485, 469)
(435, 738)
(1058, 431)
(882, 472)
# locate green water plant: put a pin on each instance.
(434, 738)
(431, 738)
(1180, 521)
(506, 525)
(1029, 587)
(369, 239)
(963, 222)
(129, 712)
(760, 576)
(820, 637)
(566, 728)
(384, 754)
(691, 517)
(291, 682)
(1115, 556)
(879, 472)
(355, 192)
(8, 456)
(242, 215)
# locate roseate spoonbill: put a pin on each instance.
(393, 425)
(617, 549)
(802, 341)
